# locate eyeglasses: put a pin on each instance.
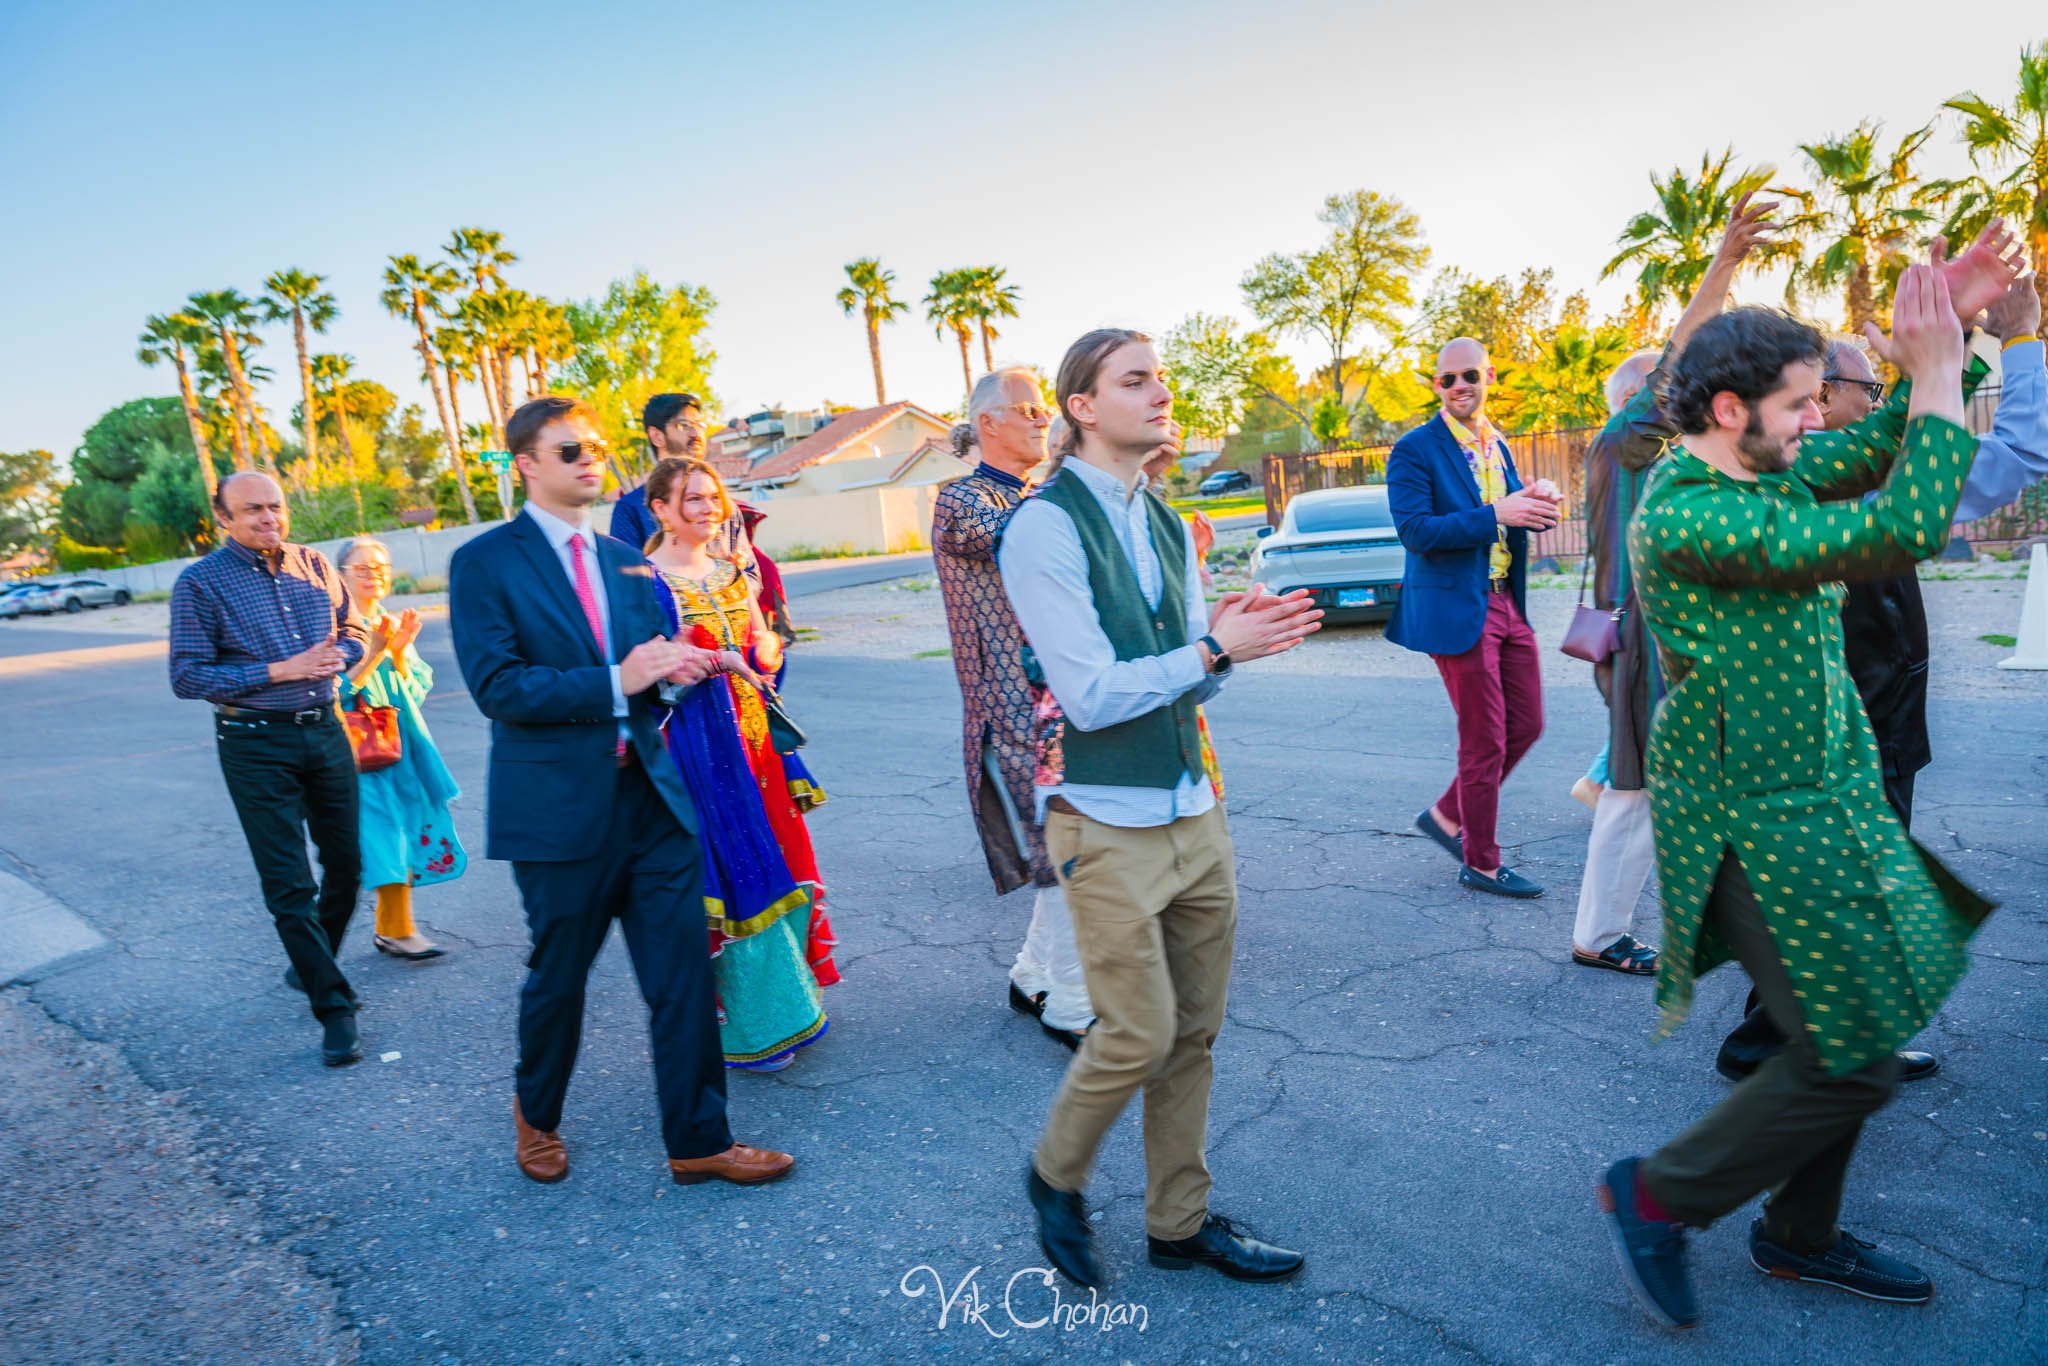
(1446, 380)
(1874, 389)
(369, 567)
(573, 452)
(1031, 412)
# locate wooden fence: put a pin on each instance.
(1561, 456)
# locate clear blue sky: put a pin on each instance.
(1127, 163)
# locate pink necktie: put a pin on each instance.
(585, 594)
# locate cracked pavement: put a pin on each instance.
(1414, 1084)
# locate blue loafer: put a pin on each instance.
(1450, 844)
(1851, 1264)
(1506, 882)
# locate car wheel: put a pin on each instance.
(73, 605)
(121, 597)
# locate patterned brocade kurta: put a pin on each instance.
(996, 699)
(1761, 745)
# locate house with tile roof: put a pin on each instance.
(863, 483)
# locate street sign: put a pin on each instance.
(502, 459)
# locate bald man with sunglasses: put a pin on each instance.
(1464, 518)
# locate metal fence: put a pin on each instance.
(1561, 456)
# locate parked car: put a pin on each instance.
(74, 595)
(1341, 543)
(1224, 481)
(14, 598)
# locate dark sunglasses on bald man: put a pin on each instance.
(1447, 379)
(573, 452)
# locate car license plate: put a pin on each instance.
(1357, 597)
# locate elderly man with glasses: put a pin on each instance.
(1464, 517)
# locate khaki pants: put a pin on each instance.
(1790, 1129)
(1155, 916)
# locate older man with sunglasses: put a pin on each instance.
(1464, 516)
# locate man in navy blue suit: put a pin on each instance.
(558, 633)
(1464, 518)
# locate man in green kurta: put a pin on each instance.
(1775, 845)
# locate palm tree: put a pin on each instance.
(988, 298)
(166, 337)
(549, 340)
(1859, 216)
(949, 305)
(2015, 136)
(482, 255)
(1564, 383)
(296, 295)
(478, 316)
(331, 372)
(1672, 245)
(868, 291)
(231, 317)
(411, 288)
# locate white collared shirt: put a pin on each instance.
(1045, 574)
(559, 534)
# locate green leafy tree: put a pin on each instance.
(412, 289)
(111, 456)
(2009, 149)
(233, 319)
(28, 500)
(300, 297)
(1218, 372)
(1859, 223)
(167, 507)
(1330, 423)
(640, 339)
(1564, 383)
(1358, 280)
(867, 293)
(178, 338)
(1670, 246)
(949, 307)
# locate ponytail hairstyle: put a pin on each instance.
(1056, 441)
(1079, 373)
(667, 481)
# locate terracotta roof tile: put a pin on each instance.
(842, 431)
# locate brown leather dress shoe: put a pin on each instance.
(541, 1154)
(739, 1164)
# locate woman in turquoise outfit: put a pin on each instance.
(408, 837)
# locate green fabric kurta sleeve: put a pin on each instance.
(1777, 538)
(1853, 461)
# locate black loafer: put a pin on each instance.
(1219, 1244)
(1917, 1066)
(1063, 1231)
(1033, 1005)
(1450, 844)
(1851, 1264)
(1507, 882)
(340, 1044)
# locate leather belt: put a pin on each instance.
(311, 716)
(1497, 586)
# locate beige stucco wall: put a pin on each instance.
(873, 521)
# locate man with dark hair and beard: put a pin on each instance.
(1775, 844)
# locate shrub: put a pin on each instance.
(72, 557)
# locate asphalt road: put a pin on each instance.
(1414, 1085)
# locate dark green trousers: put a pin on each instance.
(1790, 1129)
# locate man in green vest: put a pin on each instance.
(1775, 845)
(1103, 577)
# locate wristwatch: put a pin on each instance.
(1219, 661)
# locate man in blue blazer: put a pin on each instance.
(559, 636)
(1464, 518)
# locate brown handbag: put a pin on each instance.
(373, 735)
(1594, 634)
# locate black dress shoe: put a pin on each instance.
(1063, 1231)
(1913, 1064)
(1917, 1066)
(1218, 1243)
(1033, 1005)
(341, 1045)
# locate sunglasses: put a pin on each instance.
(1033, 412)
(573, 452)
(1874, 388)
(1446, 380)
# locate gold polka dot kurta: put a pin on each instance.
(1761, 745)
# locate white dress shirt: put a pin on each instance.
(1045, 574)
(559, 534)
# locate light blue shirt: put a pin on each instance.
(559, 534)
(1045, 574)
(2015, 452)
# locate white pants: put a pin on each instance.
(1619, 856)
(1050, 962)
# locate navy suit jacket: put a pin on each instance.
(1449, 534)
(531, 663)
(631, 521)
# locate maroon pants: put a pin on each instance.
(1496, 688)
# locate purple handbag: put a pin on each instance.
(1594, 635)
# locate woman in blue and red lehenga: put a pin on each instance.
(770, 938)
